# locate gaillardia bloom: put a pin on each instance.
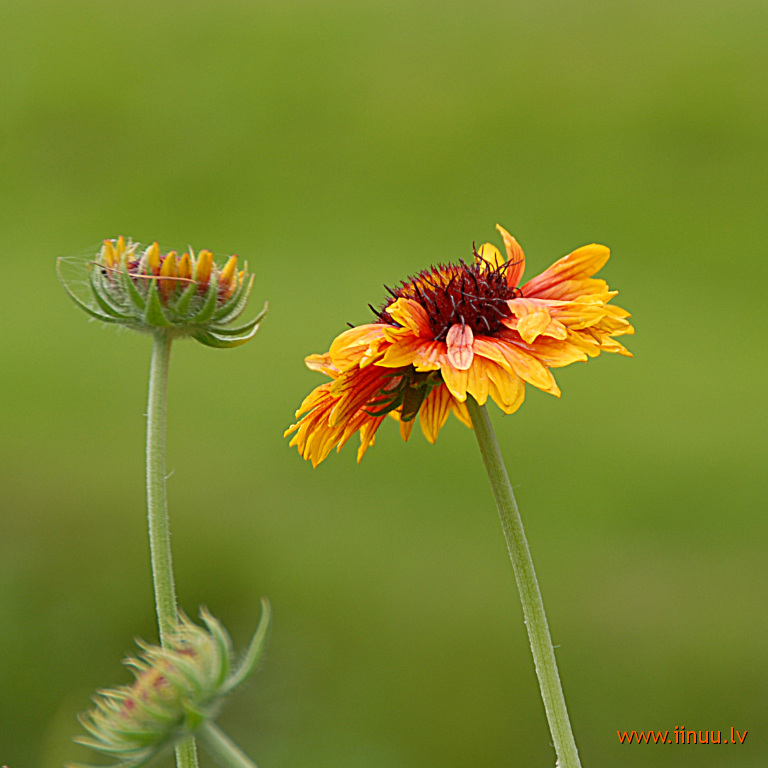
(186, 295)
(456, 330)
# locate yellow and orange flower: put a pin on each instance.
(456, 330)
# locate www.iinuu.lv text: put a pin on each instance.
(681, 736)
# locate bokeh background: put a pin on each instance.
(339, 146)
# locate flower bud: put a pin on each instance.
(149, 290)
(177, 688)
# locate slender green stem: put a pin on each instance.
(186, 753)
(226, 753)
(528, 586)
(157, 511)
(157, 504)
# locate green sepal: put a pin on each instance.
(101, 292)
(154, 314)
(131, 290)
(233, 307)
(209, 303)
(413, 397)
(241, 329)
(106, 748)
(255, 649)
(211, 339)
(181, 307)
(80, 303)
(193, 717)
(223, 643)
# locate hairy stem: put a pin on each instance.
(157, 511)
(528, 586)
(226, 753)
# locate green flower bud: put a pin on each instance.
(177, 689)
(184, 295)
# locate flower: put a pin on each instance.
(177, 688)
(455, 330)
(184, 295)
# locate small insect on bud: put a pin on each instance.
(149, 290)
(177, 689)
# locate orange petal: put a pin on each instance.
(321, 363)
(529, 368)
(506, 390)
(367, 435)
(410, 314)
(579, 265)
(461, 413)
(349, 347)
(429, 354)
(406, 427)
(459, 341)
(434, 412)
(533, 318)
(515, 257)
(491, 349)
(402, 353)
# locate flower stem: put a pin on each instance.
(157, 505)
(528, 586)
(221, 747)
(157, 511)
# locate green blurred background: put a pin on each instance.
(339, 146)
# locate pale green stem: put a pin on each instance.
(157, 505)
(528, 586)
(226, 753)
(157, 511)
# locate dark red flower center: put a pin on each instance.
(469, 294)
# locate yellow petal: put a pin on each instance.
(533, 318)
(400, 354)
(169, 265)
(488, 255)
(204, 266)
(152, 255)
(455, 380)
(227, 273)
(109, 257)
(185, 267)
(477, 380)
